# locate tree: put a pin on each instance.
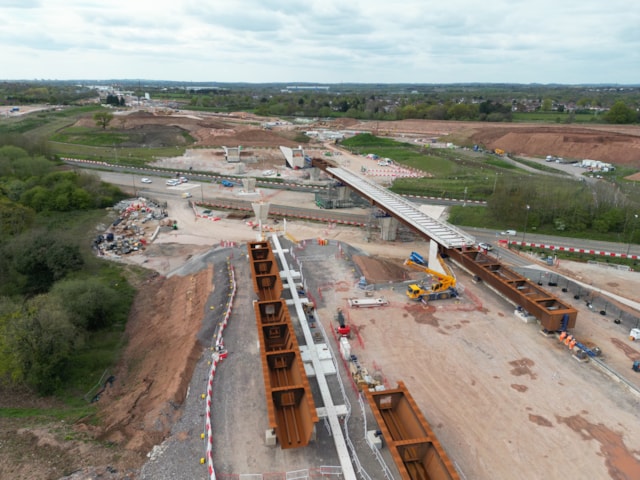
(547, 104)
(44, 259)
(37, 342)
(103, 119)
(14, 218)
(620, 113)
(90, 303)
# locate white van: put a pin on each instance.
(509, 233)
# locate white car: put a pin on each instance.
(173, 182)
(145, 180)
(485, 246)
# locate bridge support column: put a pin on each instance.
(249, 185)
(343, 193)
(314, 174)
(388, 228)
(261, 211)
(434, 263)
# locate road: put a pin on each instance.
(305, 205)
(492, 236)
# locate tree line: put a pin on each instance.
(54, 295)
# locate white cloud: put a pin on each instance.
(522, 41)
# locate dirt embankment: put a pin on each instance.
(157, 364)
(617, 144)
(138, 410)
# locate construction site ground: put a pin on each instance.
(505, 401)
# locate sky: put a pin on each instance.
(323, 41)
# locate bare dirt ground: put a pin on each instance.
(505, 401)
(617, 144)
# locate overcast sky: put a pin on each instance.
(323, 41)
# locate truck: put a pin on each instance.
(499, 151)
(442, 288)
(634, 334)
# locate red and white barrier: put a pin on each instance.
(603, 253)
(219, 354)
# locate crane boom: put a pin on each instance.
(443, 288)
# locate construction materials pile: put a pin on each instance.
(131, 231)
(361, 377)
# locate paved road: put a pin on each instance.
(492, 236)
(305, 205)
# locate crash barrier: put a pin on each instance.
(219, 354)
(265, 183)
(587, 251)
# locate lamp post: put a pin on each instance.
(526, 220)
(633, 231)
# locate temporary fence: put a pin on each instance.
(595, 299)
(588, 251)
(219, 354)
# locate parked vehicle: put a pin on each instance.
(485, 246)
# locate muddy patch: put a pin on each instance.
(540, 420)
(523, 367)
(519, 388)
(422, 314)
(620, 461)
(628, 350)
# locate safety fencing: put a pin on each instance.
(218, 355)
(595, 299)
(587, 251)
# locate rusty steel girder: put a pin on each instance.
(414, 447)
(552, 313)
(290, 406)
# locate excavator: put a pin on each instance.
(442, 288)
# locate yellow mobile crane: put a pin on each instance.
(441, 289)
